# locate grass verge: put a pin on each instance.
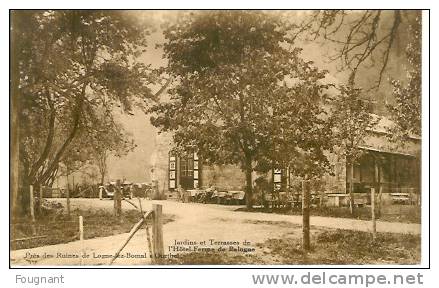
(348, 247)
(342, 247)
(394, 213)
(55, 227)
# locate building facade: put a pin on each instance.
(189, 172)
(389, 167)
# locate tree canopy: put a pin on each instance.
(73, 65)
(368, 40)
(240, 89)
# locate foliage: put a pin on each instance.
(71, 65)
(367, 42)
(406, 112)
(240, 91)
(304, 135)
(91, 148)
(352, 121)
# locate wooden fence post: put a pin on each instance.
(68, 201)
(40, 199)
(81, 239)
(31, 203)
(32, 208)
(372, 204)
(379, 202)
(157, 231)
(155, 190)
(118, 200)
(377, 177)
(305, 217)
(351, 189)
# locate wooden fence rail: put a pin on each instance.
(157, 248)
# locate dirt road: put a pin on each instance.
(202, 224)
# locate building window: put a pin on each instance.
(172, 168)
(187, 167)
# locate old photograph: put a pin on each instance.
(216, 137)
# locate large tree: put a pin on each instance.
(238, 84)
(71, 64)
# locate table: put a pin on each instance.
(403, 198)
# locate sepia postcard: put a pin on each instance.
(216, 137)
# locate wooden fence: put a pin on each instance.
(156, 248)
(154, 245)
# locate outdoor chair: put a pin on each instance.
(214, 197)
(228, 198)
(221, 197)
(207, 196)
(238, 197)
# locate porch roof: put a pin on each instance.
(382, 150)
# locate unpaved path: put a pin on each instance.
(193, 222)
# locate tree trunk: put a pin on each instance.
(68, 201)
(14, 124)
(351, 189)
(76, 120)
(102, 179)
(49, 140)
(306, 245)
(377, 184)
(380, 194)
(39, 197)
(102, 164)
(248, 179)
(264, 202)
(67, 192)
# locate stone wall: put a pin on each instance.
(229, 177)
(159, 161)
